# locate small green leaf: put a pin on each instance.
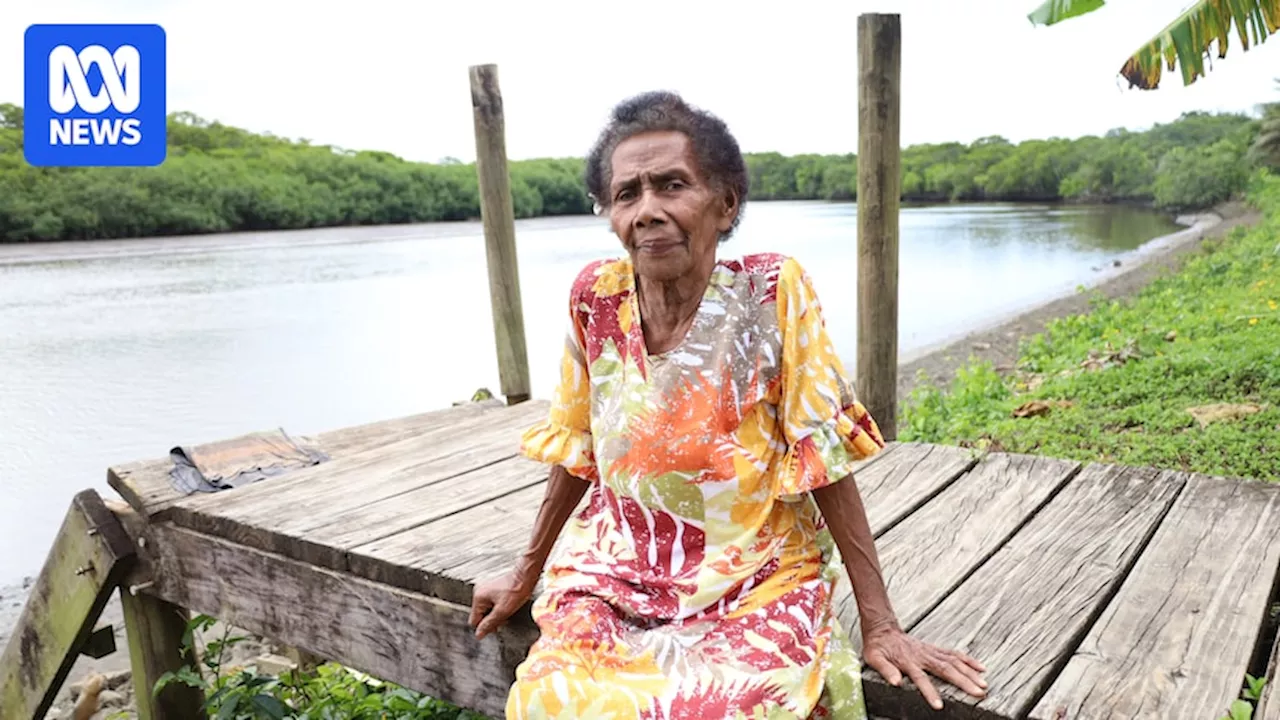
(1241, 710)
(1256, 685)
(228, 710)
(273, 708)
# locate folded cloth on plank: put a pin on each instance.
(239, 461)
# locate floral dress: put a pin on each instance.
(697, 582)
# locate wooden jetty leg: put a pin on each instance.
(499, 232)
(155, 629)
(89, 557)
(879, 197)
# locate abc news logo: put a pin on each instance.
(69, 89)
(95, 95)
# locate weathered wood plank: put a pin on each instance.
(453, 488)
(1024, 610)
(404, 637)
(930, 553)
(1176, 641)
(89, 557)
(905, 476)
(155, 631)
(321, 495)
(444, 559)
(144, 484)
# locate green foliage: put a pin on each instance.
(1115, 384)
(331, 692)
(219, 178)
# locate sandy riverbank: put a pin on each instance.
(998, 343)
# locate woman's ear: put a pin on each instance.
(728, 210)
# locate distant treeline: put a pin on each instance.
(219, 178)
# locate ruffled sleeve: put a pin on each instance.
(826, 429)
(564, 437)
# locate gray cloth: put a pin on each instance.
(239, 461)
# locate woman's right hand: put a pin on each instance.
(496, 600)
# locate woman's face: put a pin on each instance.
(667, 215)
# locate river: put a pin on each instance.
(118, 350)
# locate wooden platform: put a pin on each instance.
(1089, 591)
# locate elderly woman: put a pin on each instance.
(702, 406)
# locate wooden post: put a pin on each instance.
(499, 232)
(155, 630)
(879, 197)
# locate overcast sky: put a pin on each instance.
(392, 74)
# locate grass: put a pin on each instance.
(1120, 383)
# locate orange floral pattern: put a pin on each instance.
(697, 582)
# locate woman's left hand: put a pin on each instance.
(893, 653)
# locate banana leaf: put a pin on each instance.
(1186, 42)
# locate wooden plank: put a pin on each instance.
(930, 553)
(400, 636)
(905, 476)
(1177, 640)
(316, 496)
(89, 557)
(144, 484)
(497, 214)
(879, 191)
(1024, 610)
(443, 561)
(407, 488)
(155, 631)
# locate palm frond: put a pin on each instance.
(1187, 41)
(1055, 11)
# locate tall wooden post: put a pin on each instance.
(499, 233)
(879, 197)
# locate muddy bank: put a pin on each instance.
(999, 341)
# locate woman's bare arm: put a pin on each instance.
(886, 647)
(496, 600)
(846, 516)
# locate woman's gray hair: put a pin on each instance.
(715, 149)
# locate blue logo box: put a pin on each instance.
(94, 95)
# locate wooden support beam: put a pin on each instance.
(90, 556)
(879, 197)
(403, 637)
(155, 630)
(499, 232)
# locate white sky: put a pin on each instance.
(392, 74)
